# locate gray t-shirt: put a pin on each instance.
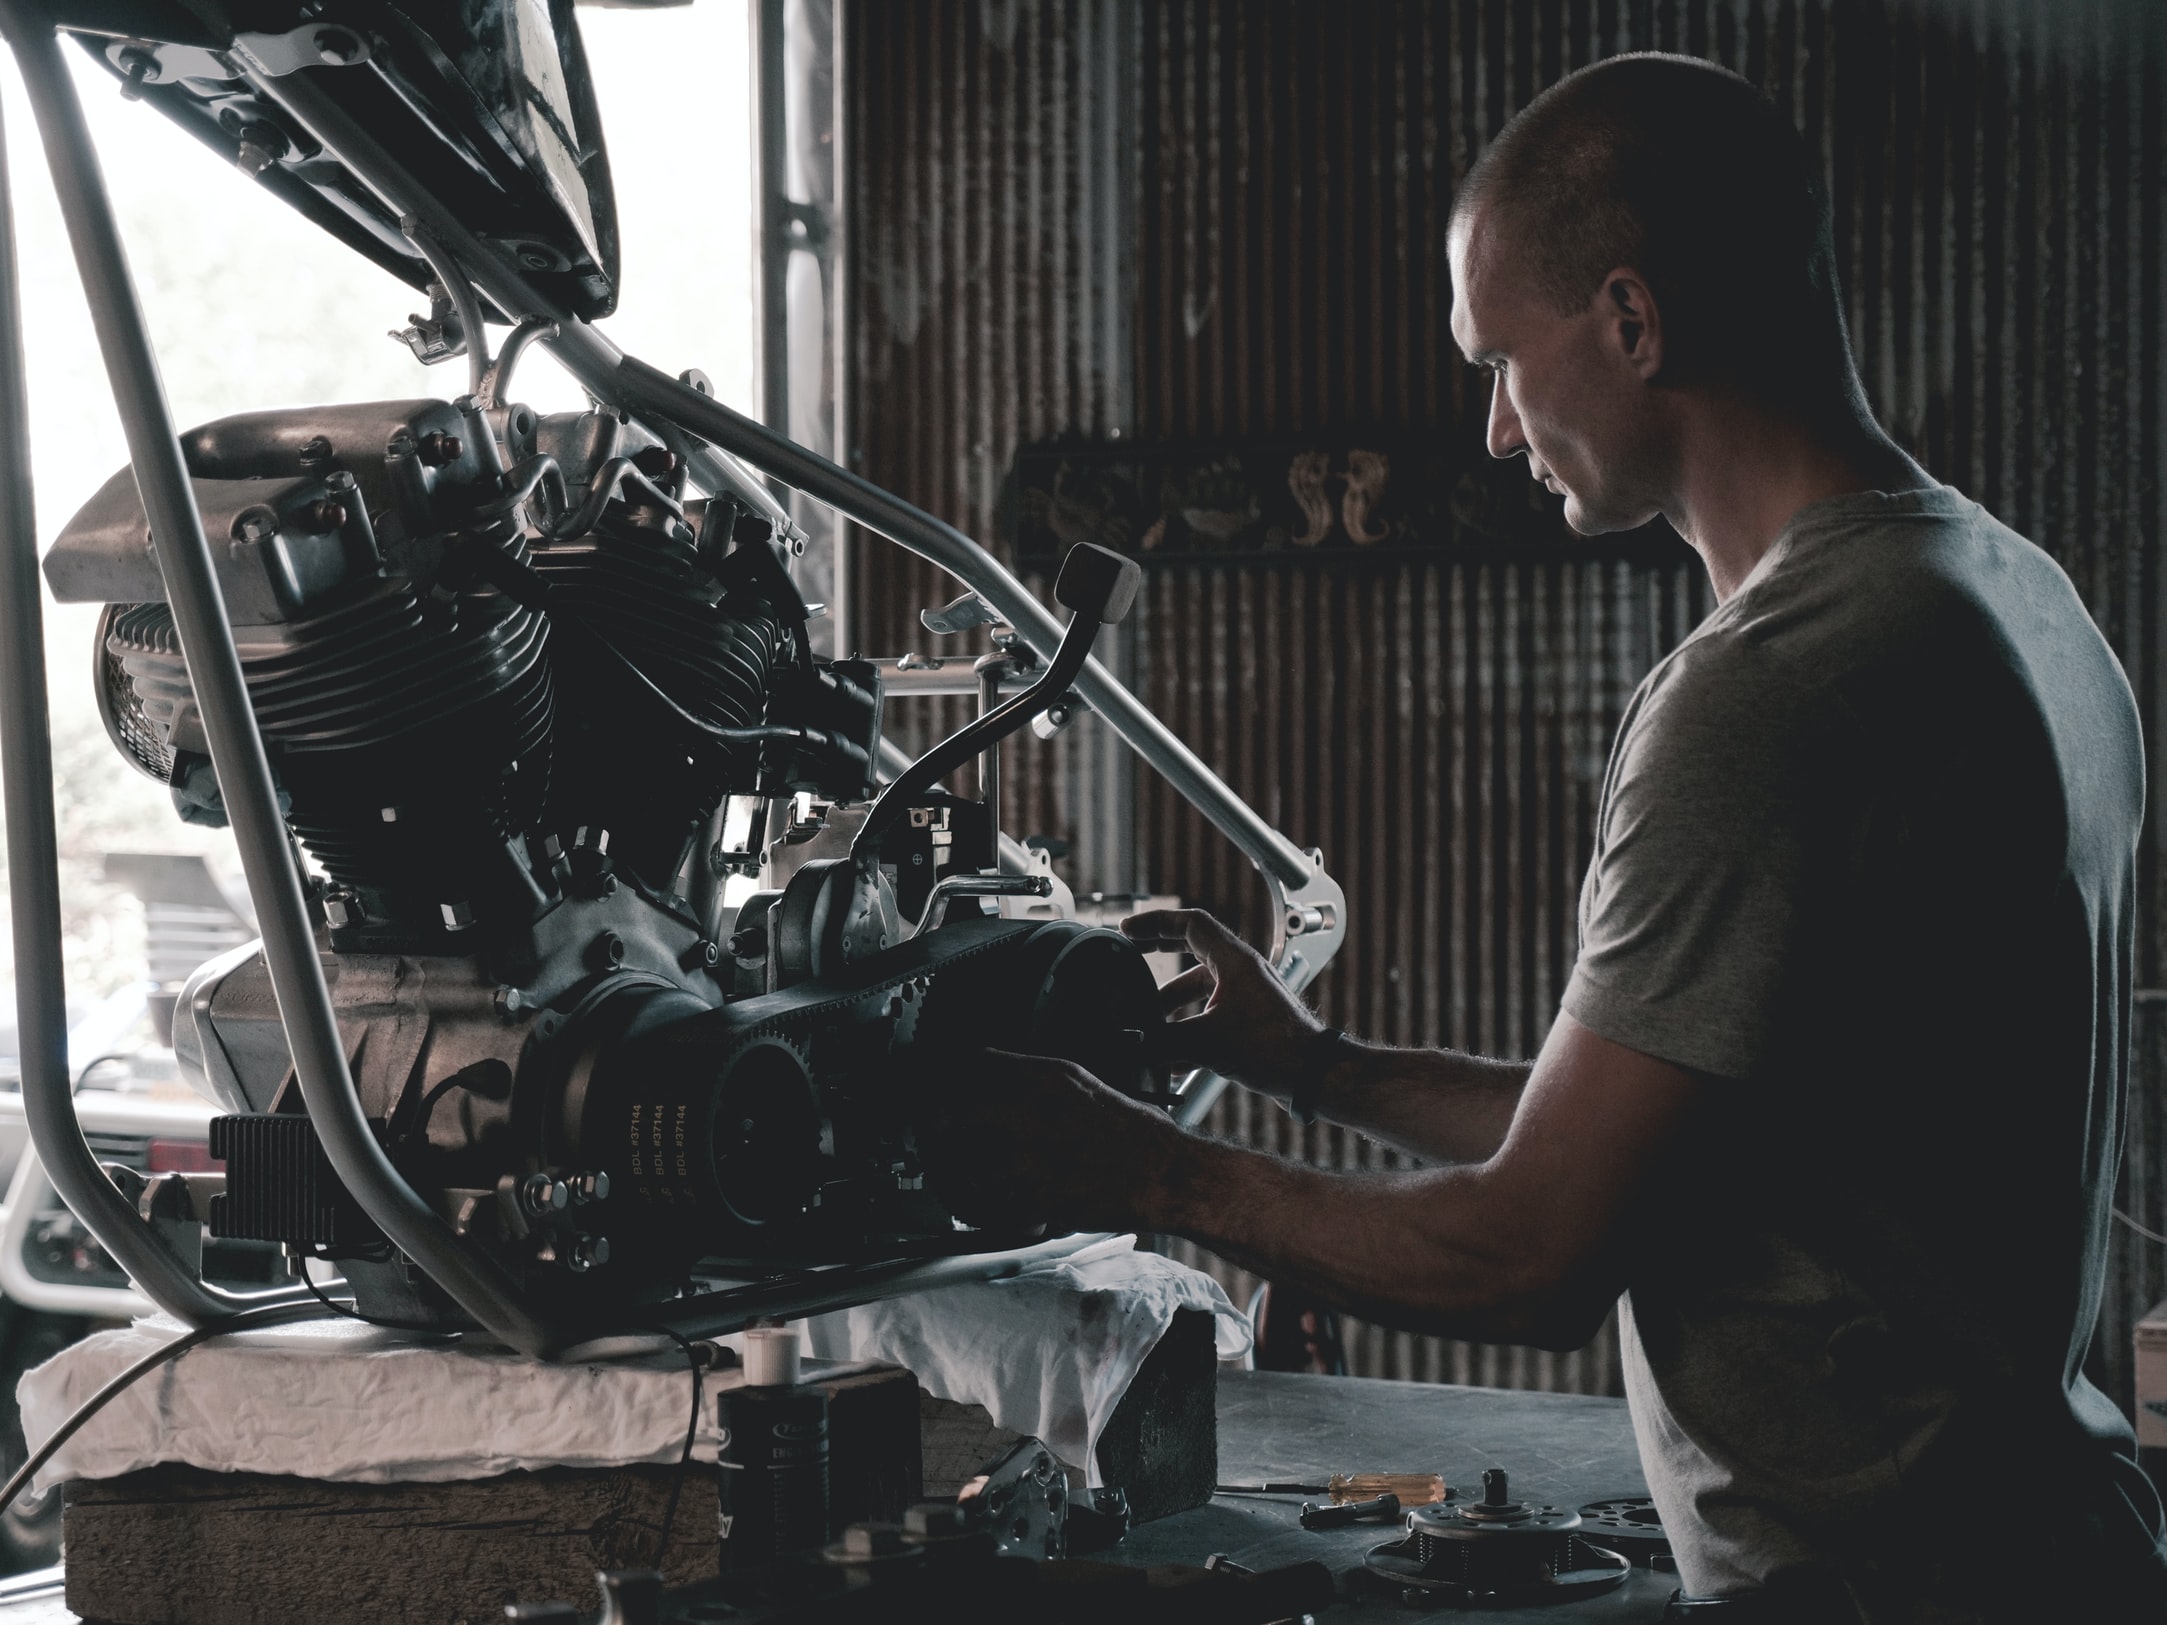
(1866, 857)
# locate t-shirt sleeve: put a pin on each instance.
(1700, 898)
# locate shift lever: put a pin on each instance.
(1098, 587)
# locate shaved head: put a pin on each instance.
(1687, 174)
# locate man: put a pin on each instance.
(1835, 1095)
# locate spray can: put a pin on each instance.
(773, 1485)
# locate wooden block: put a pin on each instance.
(176, 1545)
(1161, 1444)
(957, 1442)
(875, 1460)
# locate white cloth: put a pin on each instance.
(334, 1399)
(1049, 1352)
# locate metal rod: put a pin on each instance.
(770, 96)
(459, 290)
(237, 754)
(26, 761)
(625, 381)
(991, 668)
(922, 675)
(846, 1286)
(498, 378)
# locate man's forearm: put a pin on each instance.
(1439, 1105)
(1407, 1248)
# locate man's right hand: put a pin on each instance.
(1252, 1028)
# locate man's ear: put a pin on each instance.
(1636, 325)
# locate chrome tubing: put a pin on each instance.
(486, 1290)
(847, 1285)
(634, 385)
(26, 764)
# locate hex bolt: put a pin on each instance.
(1495, 1491)
(341, 909)
(589, 1252)
(457, 916)
(436, 448)
(872, 1540)
(141, 67)
(315, 452)
(257, 525)
(510, 1001)
(705, 954)
(607, 952)
(933, 1520)
(544, 1194)
(321, 515)
(592, 1187)
(749, 942)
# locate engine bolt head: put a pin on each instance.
(510, 1001)
(607, 952)
(933, 1520)
(457, 916)
(436, 448)
(545, 1194)
(749, 943)
(872, 1540)
(592, 1187)
(340, 909)
(589, 1252)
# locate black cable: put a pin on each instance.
(269, 1315)
(352, 1313)
(694, 1363)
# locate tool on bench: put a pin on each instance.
(1341, 1514)
(1496, 1551)
(1413, 1489)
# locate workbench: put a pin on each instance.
(1566, 1449)
(1561, 1448)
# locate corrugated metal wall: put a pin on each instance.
(1279, 177)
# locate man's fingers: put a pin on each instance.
(1195, 983)
(1191, 928)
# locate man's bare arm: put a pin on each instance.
(1524, 1246)
(1438, 1105)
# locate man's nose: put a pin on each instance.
(1505, 438)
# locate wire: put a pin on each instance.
(2149, 1235)
(684, 1461)
(353, 1313)
(270, 1314)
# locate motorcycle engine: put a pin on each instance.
(568, 785)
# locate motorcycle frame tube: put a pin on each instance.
(26, 761)
(632, 384)
(244, 775)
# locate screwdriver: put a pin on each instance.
(1339, 1514)
(1413, 1489)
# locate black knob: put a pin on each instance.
(1098, 582)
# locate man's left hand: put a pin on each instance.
(1026, 1138)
